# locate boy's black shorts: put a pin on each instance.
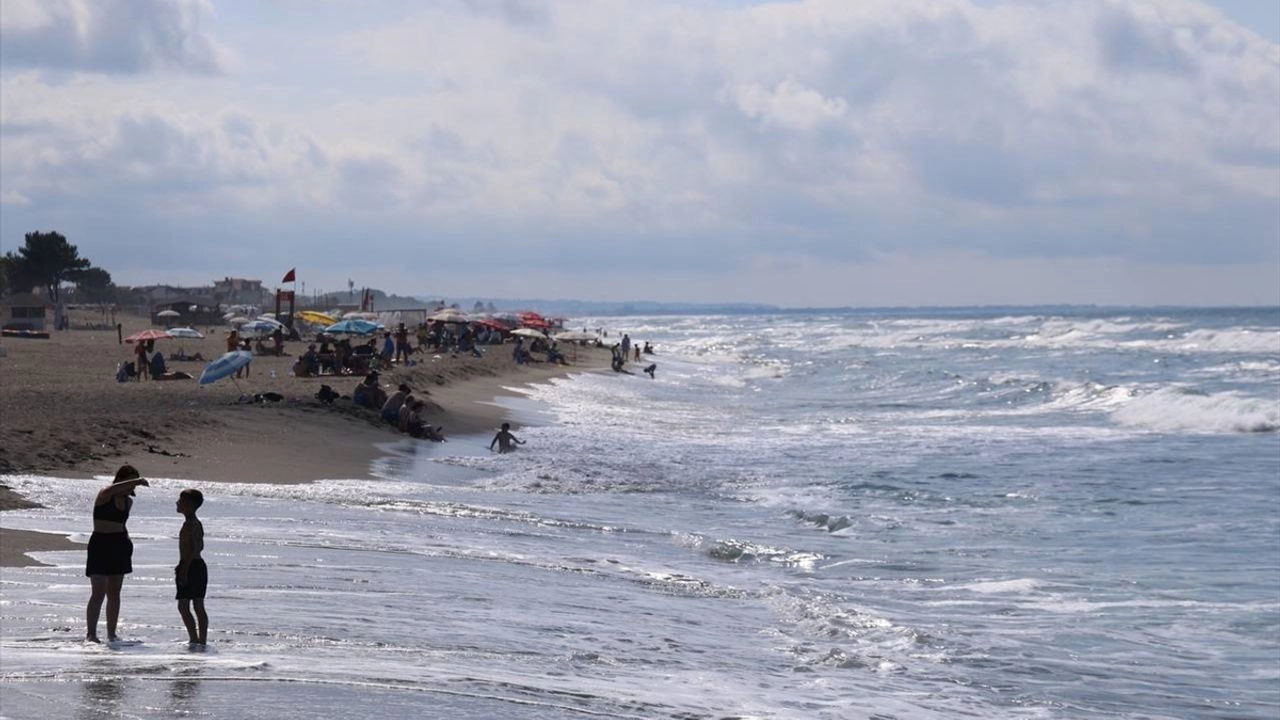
(197, 581)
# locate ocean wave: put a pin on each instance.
(1180, 409)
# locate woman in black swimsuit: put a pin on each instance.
(110, 550)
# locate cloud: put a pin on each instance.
(664, 135)
(110, 36)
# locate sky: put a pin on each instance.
(807, 153)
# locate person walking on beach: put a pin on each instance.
(402, 344)
(140, 359)
(110, 555)
(504, 440)
(626, 347)
(192, 575)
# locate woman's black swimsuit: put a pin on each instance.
(110, 553)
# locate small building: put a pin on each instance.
(235, 291)
(192, 310)
(26, 311)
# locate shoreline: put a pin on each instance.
(66, 415)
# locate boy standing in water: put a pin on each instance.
(192, 573)
(504, 439)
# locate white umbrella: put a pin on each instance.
(449, 315)
(529, 333)
(168, 313)
(237, 320)
(574, 336)
(184, 332)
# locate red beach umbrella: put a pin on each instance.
(146, 335)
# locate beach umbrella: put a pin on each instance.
(260, 326)
(449, 315)
(574, 336)
(317, 318)
(168, 313)
(491, 323)
(237, 320)
(146, 335)
(225, 366)
(529, 333)
(352, 326)
(184, 332)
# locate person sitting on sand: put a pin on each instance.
(504, 439)
(157, 366)
(110, 555)
(308, 364)
(191, 574)
(391, 408)
(368, 394)
(418, 427)
(555, 356)
(406, 413)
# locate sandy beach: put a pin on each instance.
(65, 414)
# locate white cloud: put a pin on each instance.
(113, 36)
(656, 133)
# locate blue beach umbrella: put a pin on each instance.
(352, 326)
(260, 326)
(225, 366)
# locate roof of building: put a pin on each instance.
(25, 300)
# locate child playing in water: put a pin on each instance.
(504, 439)
(192, 574)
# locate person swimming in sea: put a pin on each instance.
(504, 439)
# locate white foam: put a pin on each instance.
(1178, 409)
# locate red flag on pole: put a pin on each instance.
(289, 276)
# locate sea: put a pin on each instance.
(1054, 512)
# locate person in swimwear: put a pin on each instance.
(192, 575)
(504, 440)
(110, 550)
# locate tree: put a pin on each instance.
(93, 285)
(47, 259)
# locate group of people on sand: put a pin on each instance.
(143, 366)
(621, 351)
(401, 409)
(110, 557)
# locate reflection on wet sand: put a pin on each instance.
(102, 698)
